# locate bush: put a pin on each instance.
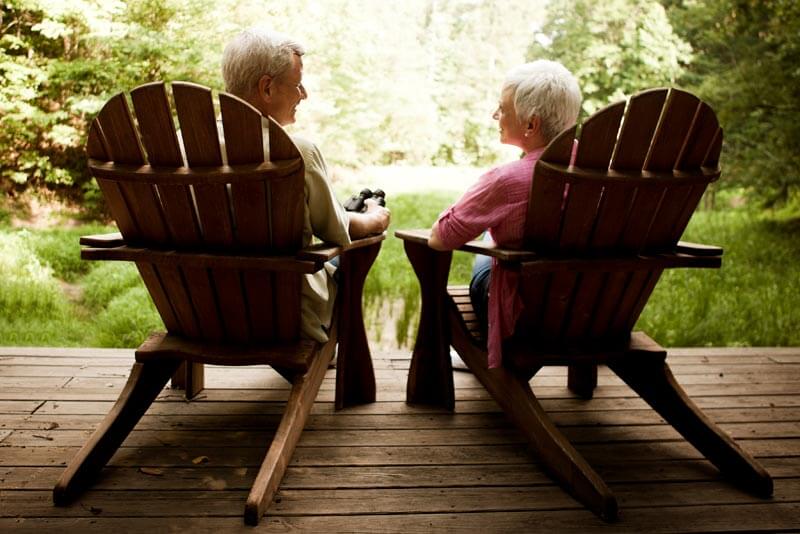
(127, 321)
(106, 281)
(60, 249)
(28, 290)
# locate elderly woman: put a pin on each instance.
(537, 101)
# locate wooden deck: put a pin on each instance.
(390, 467)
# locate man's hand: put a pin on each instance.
(373, 221)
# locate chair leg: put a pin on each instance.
(190, 377)
(144, 384)
(654, 382)
(304, 390)
(515, 397)
(355, 377)
(582, 379)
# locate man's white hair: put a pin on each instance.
(253, 53)
(545, 89)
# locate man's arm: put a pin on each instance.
(373, 221)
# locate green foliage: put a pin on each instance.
(129, 318)
(420, 92)
(60, 60)
(106, 281)
(614, 48)
(59, 249)
(392, 280)
(746, 67)
(28, 290)
(751, 301)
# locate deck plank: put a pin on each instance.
(389, 466)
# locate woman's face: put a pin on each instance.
(512, 132)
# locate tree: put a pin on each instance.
(615, 48)
(746, 54)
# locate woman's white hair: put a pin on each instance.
(545, 89)
(253, 53)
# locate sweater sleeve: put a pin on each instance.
(480, 208)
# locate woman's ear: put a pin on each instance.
(533, 126)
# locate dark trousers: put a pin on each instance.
(479, 289)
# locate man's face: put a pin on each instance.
(286, 92)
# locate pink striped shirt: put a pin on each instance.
(497, 202)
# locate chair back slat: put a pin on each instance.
(195, 110)
(155, 125)
(612, 216)
(600, 132)
(152, 282)
(712, 158)
(241, 124)
(179, 295)
(679, 112)
(704, 130)
(244, 144)
(157, 128)
(260, 287)
(619, 321)
(96, 146)
(286, 220)
(608, 301)
(642, 214)
(113, 138)
(580, 213)
(287, 299)
(228, 285)
(141, 200)
(119, 132)
(557, 305)
(647, 290)
(204, 302)
(641, 117)
(560, 149)
(587, 294)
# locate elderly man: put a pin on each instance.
(265, 68)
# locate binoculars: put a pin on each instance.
(356, 202)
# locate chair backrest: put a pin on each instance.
(639, 172)
(169, 190)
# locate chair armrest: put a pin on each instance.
(475, 246)
(695, 249)
(113, 239)
(322, 252)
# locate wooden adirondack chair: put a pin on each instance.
(219, 248)
(598, 235)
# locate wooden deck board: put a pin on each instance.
(388, 466)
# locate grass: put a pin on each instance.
(48, 297)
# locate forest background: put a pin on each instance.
(399, 90)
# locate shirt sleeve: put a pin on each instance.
(480, 208)
(328, 218)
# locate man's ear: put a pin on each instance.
(265, 88)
